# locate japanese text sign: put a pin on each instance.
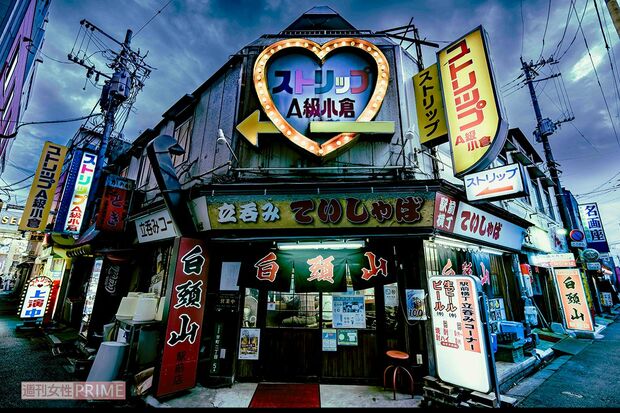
(298, 211)
(429, 107)
(573, 298)
(155, 227)
(70, 179)
(458, 332)
(496, 183)
(554, 260)
(298, 80)
(593, 227)
(39, 203)
(114, 204)
(79, 195)
(457, 217)
(475, 126)
(36, 298)
(186, 300)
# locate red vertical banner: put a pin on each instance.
(445, 212)
(114, 204)
(185, 298)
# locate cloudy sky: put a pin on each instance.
(190, 39)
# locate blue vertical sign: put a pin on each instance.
(593, 227)
(67, 193)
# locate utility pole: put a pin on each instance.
(544, 128)
(129, 71)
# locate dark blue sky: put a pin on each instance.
(190, 39)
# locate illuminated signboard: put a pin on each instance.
(429, 107)
(458, 332)
(554, 260)
(304, 87)
(593, 227)
(79, 198)
(37, 296)
(476, 128)
(573, 298)
(43, 187)
(496, 183)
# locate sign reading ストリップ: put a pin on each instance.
(429, 107)
(496, 183)
(79, 197)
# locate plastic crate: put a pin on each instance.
(510, 354)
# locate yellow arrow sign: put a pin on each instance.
(251, 126)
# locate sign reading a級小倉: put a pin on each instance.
(312, 211)
(476, 128)
(36, 212)
(457, 217)
(573, 298)
(429, 107)
(496, 183)
(185, 297)
(458, 332)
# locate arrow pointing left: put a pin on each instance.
(251, 126)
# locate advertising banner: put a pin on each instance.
(458, 332)
(79, 195)
(114, 204)
(39, 202)
(476, 127)
(429, 107)
(67, 190)
(573, 299)
(185, 300)
(36, 298)
(593, 227)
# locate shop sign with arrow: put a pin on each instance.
(496, 183)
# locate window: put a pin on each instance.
(124, 172)
(7, 104)
(549, 203)
(539, 203)
(11, 69)
(182, 133)
(290, 309)
(145, 167)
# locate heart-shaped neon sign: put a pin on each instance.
(321, 52)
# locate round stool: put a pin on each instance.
(397, 360)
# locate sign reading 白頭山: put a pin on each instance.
(304, 87)
(457, 217)
(496, 183)
(311, 211)
(573, 298)
(593, 227)
(185, 298)
(79, 195)
(41, 194)
(458, 332)
(429, 107)
(476, 127)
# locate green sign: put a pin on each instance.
(347, 337)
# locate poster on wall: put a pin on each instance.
(230, 276)
(416, 304)
(390, 294)
(329, 339)
(458, 332)
(347, 337)
(249, 342)
(349, 311)
(573, 299)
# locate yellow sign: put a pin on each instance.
(475, 126)
(429, 107)
(573, 297)
(34, 217)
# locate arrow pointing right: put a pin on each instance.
(251, 126)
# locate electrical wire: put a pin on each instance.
(570, 11)
(611, 64)
(522, 28)
(579, 27)
(151, 19)
(545, 32)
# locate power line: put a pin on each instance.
(570, 11)
(151, 19)
(522, 28)
(545, 32)
(598, 80)
(579, 27)
(611, 64)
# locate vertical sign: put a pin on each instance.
(69, 186)
(429, 107)
(43, 187)
(476, 128)
(573, 298)
(458, 332)
(114, 204)
(36, 298)
(185, 300)
(593, 227)
(79, 195)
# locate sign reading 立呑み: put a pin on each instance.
(496, 183)
(185, 299)
(39, 203)
(593, 227)
(36, 298)
(573, 298)
(458, 332)
(475, 125)
(457, 217)
(155, 227)
(79, 196)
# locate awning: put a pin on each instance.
(88, 236)
(79, 251)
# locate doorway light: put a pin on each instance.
(328, 245)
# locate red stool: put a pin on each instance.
(397, 360)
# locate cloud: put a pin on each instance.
(584, 66)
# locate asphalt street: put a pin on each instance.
(587, 379)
